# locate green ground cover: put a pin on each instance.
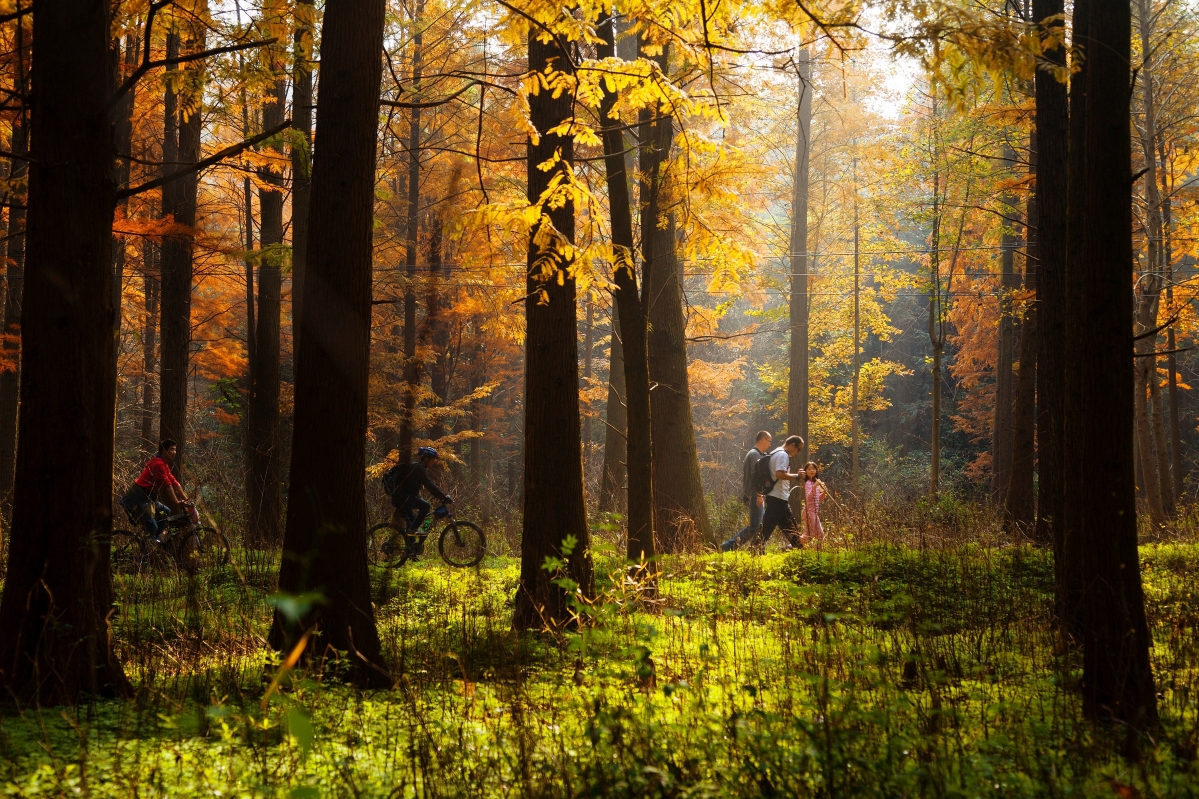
(877, 670)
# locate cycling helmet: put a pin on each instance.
(426, 452)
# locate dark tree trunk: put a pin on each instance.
(554, 511)
(588, 351)
(637, 412)
(1171, 345)
(55, 640)
(1001, 438)
(150, 265)
(324, 548)
(179, 201)
(301, 164)
(1101, 514)
(10, 379)
(612, 480)
(411, 366)
(264, 480)
(680, 513)
(797, 383)
(1019, 510)
(123, 135)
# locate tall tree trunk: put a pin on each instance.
(411, 366)
(1158, 412)
(123, 134)
(436, 330)
(1101, 514)
(264, 479)
(176, 300)
(797, 382)
(680, 512)
(1001, 440)
(55, 640)
(612, 480)
(588, 349)
(150, 265)
(1171, 345)
(935, 328)
(10, 379)
(1150, 480)
(1019, 511)
(324, 548)
(636, 413)
(301, 163)
(554, 511)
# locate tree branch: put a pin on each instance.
(148, 65)
(205, 163)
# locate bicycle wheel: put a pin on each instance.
(462, 544)
(127, 553)
(385, 546)
(206, 548)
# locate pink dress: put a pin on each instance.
(811, 510)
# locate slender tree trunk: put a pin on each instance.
(1019, 510)
(436, 330)
(55, 639)
(854, 417)
(588, 348)
(264, 483)
(612, 479)
(554, 510)
(177, 268)
(1158, 410)
(324, 549)
(1101, 514)
(10, 379)
(1001, 441)
(1171, 345)
(123, 133)
(1150, 481)
(797, 382)
(150, 265)
(301, 163)
(411, 366)
(636, 414)
(680, 512)
(935, 333)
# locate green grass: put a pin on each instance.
(877, 670)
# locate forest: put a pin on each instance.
(687, 398)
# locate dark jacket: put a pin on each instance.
(417, 477)
(747, 473)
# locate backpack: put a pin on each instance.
(394, 476)
(763, 475)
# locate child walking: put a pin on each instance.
(814, 490)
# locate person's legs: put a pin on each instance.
(776, 510)
(416, 509)
(747, 532)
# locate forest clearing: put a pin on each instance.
(421, 398)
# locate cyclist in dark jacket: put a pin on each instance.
(410, 509)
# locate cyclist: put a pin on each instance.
(141, 501)
(410, 509)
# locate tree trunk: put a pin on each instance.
(588, 349)
(554, 511)
(150, 265)
(1101, 514)
(123, 134)
(10, 379)
(1019, 511)
(935, 331)
(1001, 439)
(264, 479)
(1171, 345)
(1150, 480)
(411, 367)
(55, 640)
(179, 201)
(636, 414)
(797, 382)
(301, 164)
(612, 479)
(324, 548)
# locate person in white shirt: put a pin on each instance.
(778, 511)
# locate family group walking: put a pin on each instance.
(766, 479)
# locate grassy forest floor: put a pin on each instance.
(909, 667)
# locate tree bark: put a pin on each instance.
(411, 366)
(301, 164)
(1150, 479)
(612, 498)
(588, 350)
(1019, 510)
(797, 382)
(264, 480)
(637, 413)
(1001, 440)
(1101, 514)
(324, 548)
(150, 265)
(178, 201)
(10, 379)
(123, 133)
(554, 510)
(55, 640)
(1171, 345)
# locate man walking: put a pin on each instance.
(749, 492)
(778, 511)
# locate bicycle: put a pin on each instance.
(198, 547)
(460, 544)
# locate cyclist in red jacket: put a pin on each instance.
(155, 483)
